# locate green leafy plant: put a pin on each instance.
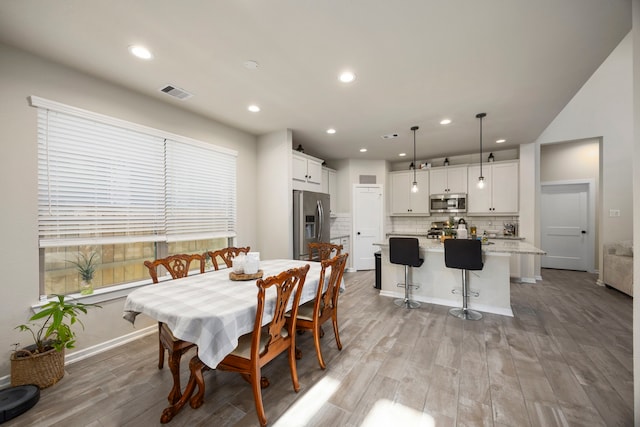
(86, 266)
(56, 332)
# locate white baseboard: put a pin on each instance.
(79, 355)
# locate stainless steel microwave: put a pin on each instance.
(448, 203)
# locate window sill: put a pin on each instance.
(98, 295)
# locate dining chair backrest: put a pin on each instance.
(327, 301)
(286, 283)
(324, 307)
(176, 265)
(226, 255)
(319, 251)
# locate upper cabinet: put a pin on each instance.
(307, 172)
(500, 193)
(330, 186)
(448, 180)
(405, 202)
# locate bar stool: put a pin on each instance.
(405, 251)
(465, 255)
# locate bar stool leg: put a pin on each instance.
(406, 302)
(464, 312)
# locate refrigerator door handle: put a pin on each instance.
(320, 219)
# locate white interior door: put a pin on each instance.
(565, 233)
(368, 219)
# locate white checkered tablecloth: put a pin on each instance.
(210, 309)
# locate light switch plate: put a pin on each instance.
(614, 212)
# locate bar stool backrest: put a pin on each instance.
(463, 254)
(405, 251)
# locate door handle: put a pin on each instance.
(584, 232)
(358, 233)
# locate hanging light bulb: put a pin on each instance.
(414, 185)
(481, 178)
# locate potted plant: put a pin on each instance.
(42, 363)
(87, 268)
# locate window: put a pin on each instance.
(127, 193)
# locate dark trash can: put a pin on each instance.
(378, 256)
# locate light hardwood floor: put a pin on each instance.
(564, 359)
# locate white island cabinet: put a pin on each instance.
(500, 192)
(436, 281)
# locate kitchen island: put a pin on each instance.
(436, 281)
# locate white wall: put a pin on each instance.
(603, 108)
(22, 75)
(274, 192)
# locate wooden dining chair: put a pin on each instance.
(226, 255)
(177, 266)
(259, 347)
(313, 314)
(323, 250)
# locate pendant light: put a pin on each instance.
(481, 178)
(414, 186)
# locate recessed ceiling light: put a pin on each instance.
(250, 65)
(402, 154)
(363, 150)
(347, 77)
(500, 141)
(253, 108)
(331, 131)
(140, 52)
(445, 121)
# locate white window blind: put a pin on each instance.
(201, 192)
(100, 182)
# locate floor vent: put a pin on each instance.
(176, 92)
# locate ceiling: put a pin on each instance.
(416, 61)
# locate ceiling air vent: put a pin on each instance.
(176, 92)
(390, 136)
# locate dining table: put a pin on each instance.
(213, 311)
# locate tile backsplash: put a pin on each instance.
(340, 225)
(401, 224)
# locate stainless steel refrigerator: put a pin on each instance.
(310, 221)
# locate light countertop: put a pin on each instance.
(340, 236)
(510, 246)
(496, 237)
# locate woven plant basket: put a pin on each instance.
(42, 369)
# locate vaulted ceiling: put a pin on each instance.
(416, 62)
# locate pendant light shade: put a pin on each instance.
(481, 178)
(414, 185)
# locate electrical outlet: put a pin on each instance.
(614, 212)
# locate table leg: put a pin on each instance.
(174, 366)
(195, 378)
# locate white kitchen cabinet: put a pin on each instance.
(307, 172)
(330, 186)
(403, 201)
(500, 193)
(344, 241)
(448, 180)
